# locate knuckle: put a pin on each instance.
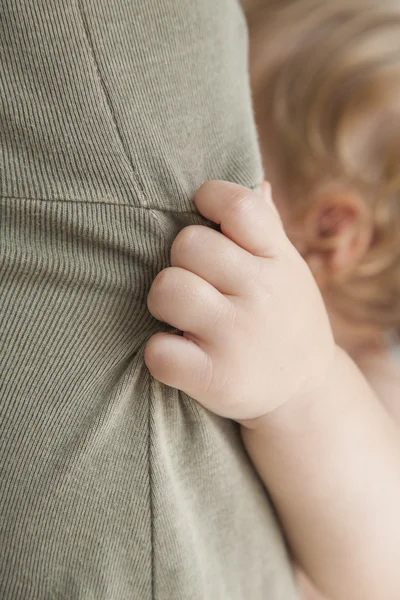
(242, 202)
(184, 241)
(162, 282)
(156, 358)
(224, 316)
(161, 288)
(152, 356)
(207, 188)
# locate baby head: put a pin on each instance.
(326, 87)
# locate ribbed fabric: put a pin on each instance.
(110, 100)
(113, 487)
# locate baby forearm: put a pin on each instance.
(331, 461)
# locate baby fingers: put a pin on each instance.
(179, 363)
(189, 303)
(216, 259)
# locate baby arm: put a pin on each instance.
(257, 347)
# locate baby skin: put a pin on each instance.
(258, 347)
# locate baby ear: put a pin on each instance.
(338, 232)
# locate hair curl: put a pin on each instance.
(328, 111)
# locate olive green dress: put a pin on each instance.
(112, 486)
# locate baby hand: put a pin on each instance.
(255, 330)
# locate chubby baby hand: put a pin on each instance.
(255, 330)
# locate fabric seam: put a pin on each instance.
(108, 99)
(101, 203)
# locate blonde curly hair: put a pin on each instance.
(327, 103)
